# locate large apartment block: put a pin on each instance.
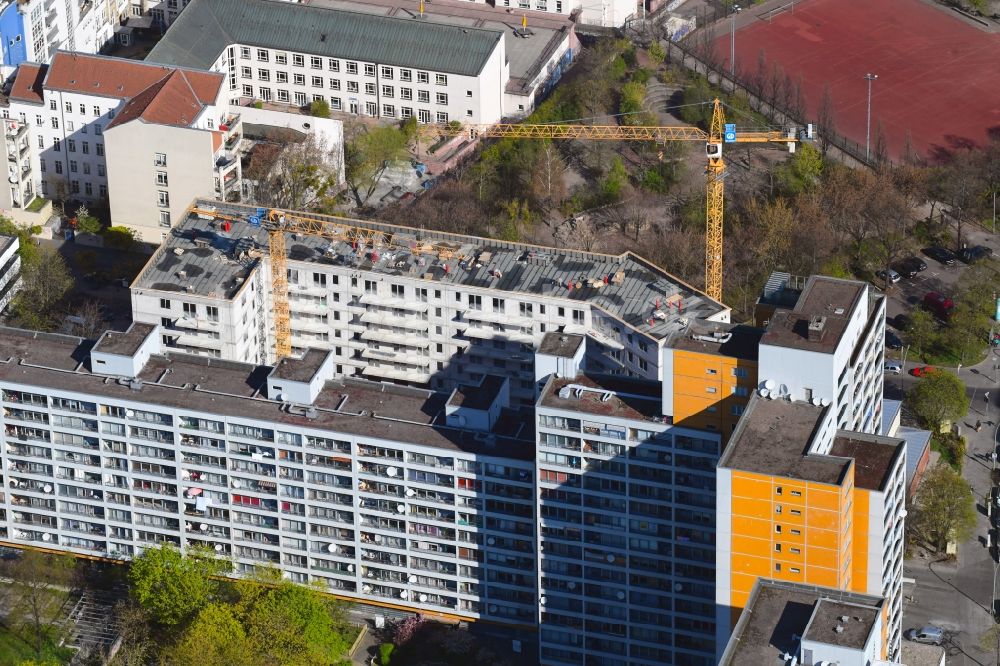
(113, 447)
(800, 500)
(400, 312)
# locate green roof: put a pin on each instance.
(206, 27)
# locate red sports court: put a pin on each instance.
(938, 76)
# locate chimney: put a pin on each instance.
(817, 327)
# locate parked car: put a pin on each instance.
(929, 634)
(939, 304)
(901, 322)
(923, 370)
(892, 340)
(894, 367)
(940, 254)
(971, 255)
(890, 277)
(910, 266)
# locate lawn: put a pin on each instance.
(36, 205)
(14, 649)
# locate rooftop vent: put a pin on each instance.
(839, 628)
(817, 327)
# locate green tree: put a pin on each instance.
(938, 397)
(87, 223)
(921, 331)
(27, 247)
(293, 624)
(41, 587)
(633, 94)
(367, 157)
(944, 508)
(802, 171)
(45, 281)
(216, 637)
(615, 182)
(319, 108)
(172, 586)
(121, 238)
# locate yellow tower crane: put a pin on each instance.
(278, 223)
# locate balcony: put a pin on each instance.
(15, 129)
(225, 161)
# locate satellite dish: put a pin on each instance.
(825, 402)
(332, 548)
(764, 393)
(816, 401)
(404, 594)
(46, 537)
(423, 598)
(410, 492)
(203, 527)
(391, 471)
(218, 547)
(769, 384)
(129, 413)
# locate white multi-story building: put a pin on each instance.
(10, 269)
(825, 344)
(390, 67)
(359, 486)
(472, 307)
(68, 104)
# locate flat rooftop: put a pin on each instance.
(124, 344)
(6, 242)
(564, 345)
(477, 397)
(300, 369)
(918, 654)
(832, 299)
(605, 395)
(733, 340)
(778, 613)
(526, 54)
(774, 438)
(208, 386)
(874, 457)
(203, 257)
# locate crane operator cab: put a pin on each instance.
(713, 150)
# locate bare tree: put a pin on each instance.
(137, 644)
(826, 120)
(880, 150)
(301, 173)
(548, 181)
(88, 319)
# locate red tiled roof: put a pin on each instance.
(116, 77)
(170, 101)
(28, 83)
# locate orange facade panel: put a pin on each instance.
(859, 540)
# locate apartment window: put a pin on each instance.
(246, 72)
(264, 74)
(796, 493)
(441, 98)
(369, 88)
(190, 309)
(41, 141)
(97, 130)
(371, 109)
(102, 190)
(265, 93)
(442, 117)
(212, 312)
(97, 111)
(72, 166)
(161, 178)
(282, 95)
(55, 123)
(53, 106)
(162, 198)
(352, 86)
(100, 170)
(777, 566)
(164, 304)
(38, 120)
(737, 410)
(468, 93)
(388, 91)
(247, 91)
(333, 65)
(794, 570)
(369, 70)
(335, 103)
(316, 62)
(86, 169)
(59, 167)
(71, 145)
(160, 159)
(423, 77)
(245, 52)
(299, 79)
(778, 490)
(423, 96)
(352, 67)
(263, 55)
(300, 98)
(441, 79)
(68, 106)
(388, 110)
(281, 58)
(298, 60)
(281, 77)
(164, 222)
(41, 165)
(423, 115)
(406, 112)
(406, 93)
(85, 147)
(334, 84)
(739, 372)
(777, 547)
(74, 187)
(56, 144)
(795, 551)
(70, 127)
(317, 81)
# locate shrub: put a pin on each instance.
(385, 653)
